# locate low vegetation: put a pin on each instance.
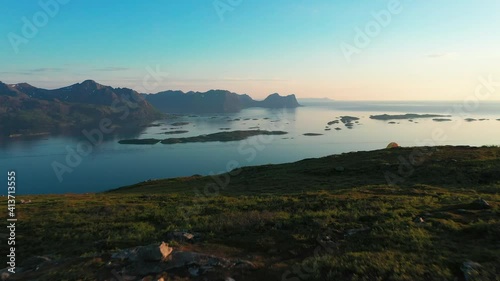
(379, 215)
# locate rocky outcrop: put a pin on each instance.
(161, 258)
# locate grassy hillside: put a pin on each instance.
(332, 218)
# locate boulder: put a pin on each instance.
(481, 204)
(141, 268)
(242, 264)
(183, 259)
(339, 169)
(154, 252)
(351, 232)
(4, 274)
(148, 253)
(471, 270)
(35, 262)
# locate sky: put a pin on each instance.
(343, 50)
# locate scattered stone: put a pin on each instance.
(35, 262)
(351, 232)
(194, 271)
(242, 264)
(481, 204)
(419, 220)
(471, 270)
(4, 274)
(182, 236)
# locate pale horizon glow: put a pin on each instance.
(426, 51)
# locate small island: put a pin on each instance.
(177, 124)
(441, 119)
(348, 121)
(175, 132)
(312, 134)
(140, 141)
(222, 136)
(386, 117)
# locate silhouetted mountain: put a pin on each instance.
(214, 101)
(25, 109)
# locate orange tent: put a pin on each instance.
(392, 145)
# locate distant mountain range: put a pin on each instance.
(214, 101)
(25, 109)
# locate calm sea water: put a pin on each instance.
(111, 165)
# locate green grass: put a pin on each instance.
(292, 219)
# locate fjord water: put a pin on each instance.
(111, 165)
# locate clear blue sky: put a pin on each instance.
(428, 50)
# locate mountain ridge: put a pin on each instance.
(27, 110)
(215, 101)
